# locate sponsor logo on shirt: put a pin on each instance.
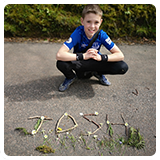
(95, 45)
(69, 40)
(83, 45)
(108, 40)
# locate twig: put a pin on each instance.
(39, 126)
(99, 127)
(106, 117)
(126, 127)
(86, 118)
(74, 121)
(123, 118)
(95, 124)
(45, 117)
(92, 114)
(136, 92)
(117, 124)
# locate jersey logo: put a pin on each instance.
(83, 45)
(95, 45)
(108, 40)
(69, 40)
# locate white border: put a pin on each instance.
(154, 2)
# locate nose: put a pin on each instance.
(92, 25)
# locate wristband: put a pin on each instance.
(79, 56)
(104, 57)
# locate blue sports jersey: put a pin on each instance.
(79, 41)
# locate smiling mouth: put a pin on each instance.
(91, 31)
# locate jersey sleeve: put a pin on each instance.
(73, 39)
(106, 41)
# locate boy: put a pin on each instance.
(92, 62)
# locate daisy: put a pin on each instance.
(33, 132)
(42, 117)
(45, 136)
(96, 113)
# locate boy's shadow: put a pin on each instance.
(47, 88)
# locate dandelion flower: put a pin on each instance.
(96, 113)
(108, 122)
(42, 117)
(45, 136)
(33, 132)
(126, 124)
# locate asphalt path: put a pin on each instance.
(31, 82)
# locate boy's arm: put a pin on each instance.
(116, 55)
(64, 55)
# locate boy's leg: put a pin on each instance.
(66, 69)
(104, 67)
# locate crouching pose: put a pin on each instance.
(87, 61)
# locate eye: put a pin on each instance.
(96, 22)
(88, 21)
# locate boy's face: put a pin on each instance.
(91, 23)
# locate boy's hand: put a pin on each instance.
(92, 53)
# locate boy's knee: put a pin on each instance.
(62, 65)
(59, 64)
(124, 68)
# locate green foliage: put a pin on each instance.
(37, 124)
(23, 130)
(45, 149)
(110, 130)
(60, 20)
(135, 139)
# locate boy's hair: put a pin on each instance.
(92, 8)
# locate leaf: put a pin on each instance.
(23, 130)
(37, 124)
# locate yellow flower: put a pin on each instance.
(108, 122)
(126, 124)
(96, 113)
(60, 129)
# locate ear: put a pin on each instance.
(82, 21)
(101, 21)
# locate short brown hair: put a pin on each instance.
(92, 8)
